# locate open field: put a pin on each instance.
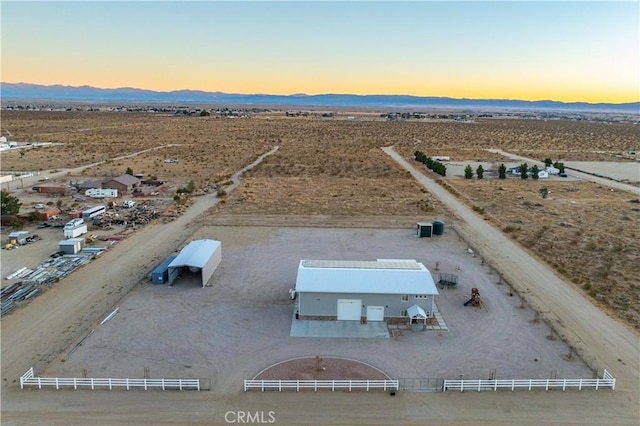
(325, 172)
(576, 218)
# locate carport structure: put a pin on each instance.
(198, 255)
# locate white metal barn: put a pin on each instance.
(198, 255)
(363, 290)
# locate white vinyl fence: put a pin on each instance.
(606, 382)
(279, 385)
(28, 379)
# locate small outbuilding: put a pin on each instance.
(160, 275)
(424, 229)
(363, 290)
(202, 256)
(71, 245)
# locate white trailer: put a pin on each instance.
(101, 193)
(75, 231)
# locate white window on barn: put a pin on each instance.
(404, 298)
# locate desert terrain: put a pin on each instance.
(330, 172)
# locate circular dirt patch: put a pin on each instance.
(324, 369)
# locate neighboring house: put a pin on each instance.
(363, 290)
(124, 183)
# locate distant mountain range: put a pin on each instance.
(32, 92)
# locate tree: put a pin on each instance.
(559, 166)
(9, 204)
(480, 171)
(129, 171)
(548, 162)
(468, 172)
(502, 171)
(523, 171)
(534, 172)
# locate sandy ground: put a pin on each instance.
(241, 324)
(621, 171)
(36, 334)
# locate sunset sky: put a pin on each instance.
(567, 51)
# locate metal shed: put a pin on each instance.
(72, 245)
(160, 275)
(424, 229)
(202, 256)
(363, 290)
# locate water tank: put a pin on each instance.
(438, 227)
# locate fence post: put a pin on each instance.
(110, 385)
(262, 385)
(198, 388)
(180, 383)
(39, 383)
(530, 380)
(580, 385)
(279, 385)
(479, 384)
(127, 381)
(495, 385)
(597, 383)
(57, 386)
(333, 386)
(145, 384)
(367, 385)
(564, 384)
(547, 386)
(92, 388)
(513, 384)
(245, 385)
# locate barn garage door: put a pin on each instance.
(349, 309)
(375, 313)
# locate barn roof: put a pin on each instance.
(124, 179)
(385, 276)
(196, 253)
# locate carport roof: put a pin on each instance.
(378, 277)
(196, 253)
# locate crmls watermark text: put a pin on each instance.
(250, 417)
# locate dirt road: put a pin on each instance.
(603, 342)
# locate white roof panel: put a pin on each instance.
(373, 277)
(196, 253)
